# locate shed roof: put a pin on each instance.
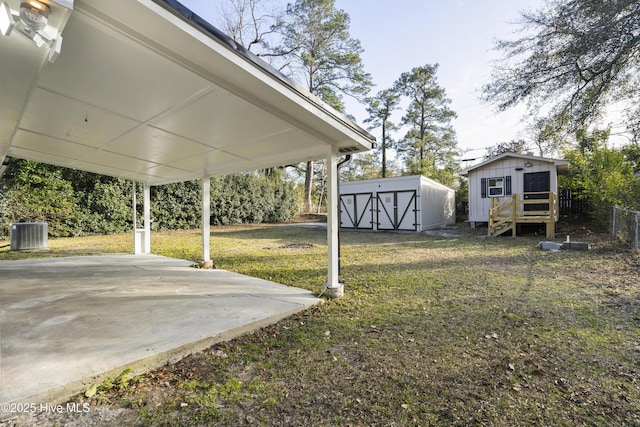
(147, 90)
(417, 179)
(561, 165)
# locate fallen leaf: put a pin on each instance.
(221, 354)
(91, 391)
(517, 388)
(405, 406)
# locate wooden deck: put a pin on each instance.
(523, 208)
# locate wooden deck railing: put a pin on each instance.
(507, 212)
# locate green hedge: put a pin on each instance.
(252, 198)
(35, 192)
(76, 203)
(175, 206)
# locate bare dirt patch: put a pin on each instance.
(297, 246)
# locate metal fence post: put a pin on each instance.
(626, 227)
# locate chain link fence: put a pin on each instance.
(625, 226)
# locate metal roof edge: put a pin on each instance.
(557, 162)
(436, 183)
(417, 178)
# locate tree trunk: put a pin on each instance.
(308, 187)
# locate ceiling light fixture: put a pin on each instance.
(41, 22)
(6, 19)
(34, 14)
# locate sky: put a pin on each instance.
(459, 35)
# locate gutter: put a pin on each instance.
(340, 165)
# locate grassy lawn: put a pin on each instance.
(432, 331)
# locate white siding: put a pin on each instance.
(478, 206)
(435, 202)
(438, 204)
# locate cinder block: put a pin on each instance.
(550, 246)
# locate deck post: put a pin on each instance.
(490, 224)
(550, 228)
(551, 223)
(515, 213)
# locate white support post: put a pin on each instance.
(206, 223)
(134, 203)
(136, 241)
(142, 236)
(146, 247)
(333, 287)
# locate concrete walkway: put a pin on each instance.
(66, 323)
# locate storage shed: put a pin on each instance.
(406, 203)
(519, 178)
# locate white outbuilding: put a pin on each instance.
(406, 203)
(512, 189)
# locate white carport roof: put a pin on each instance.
(145, 90)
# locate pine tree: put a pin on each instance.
(429, 146)
(318, 51)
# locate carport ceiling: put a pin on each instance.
(143, 90)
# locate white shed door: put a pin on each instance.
(356, 211)
(398, 210)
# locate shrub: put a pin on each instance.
(108, 208)
(605, 175)
(36, 192)
(76, 203)
(4, 213)
(176, 206)
(252, 198)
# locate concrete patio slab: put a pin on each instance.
(67, 323)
